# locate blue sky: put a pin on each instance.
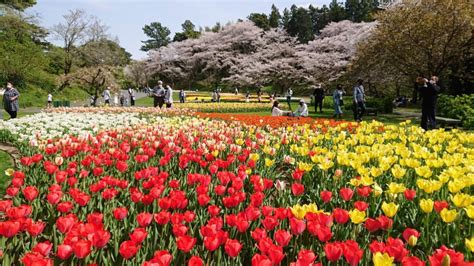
(127, 17)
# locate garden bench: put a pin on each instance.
(448, 122)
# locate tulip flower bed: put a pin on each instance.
(226, 107)
(189, 191)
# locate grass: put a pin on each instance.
(5, 163)
(35, 97)
(22, 113)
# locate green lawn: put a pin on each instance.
(22, 113)
(5, 163)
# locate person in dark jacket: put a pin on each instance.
(10, 100)
(429, 93)
(318, 98)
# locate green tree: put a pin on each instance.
(22, 56)
(158, 36)
(103, 52)
(285, 20)
(18, 4)
(300, 25)
(336, 11)
(360, 10)
(260, 20)
(275, 17)
(189, 32)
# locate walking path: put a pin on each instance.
(12, 151)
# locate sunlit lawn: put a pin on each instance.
(5, 163)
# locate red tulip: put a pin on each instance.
(410, 194)
(203, 199)
(456, 258)
(64, 207)
(82, 248)
(195, 261)
(258, 234)
(100, 238)
(361, 205)
(213, 210)
(385, 222)
(121, 166)
(377, 246)
(5, 204)
(440, 205)
(340, 215)
(352, 253)
(333, 251)
(306, 257)
(297, 226)
(412, 261)
(33, 259)
(64, 251)
(282, 237)
(160, 258)
(364, 191)
(43, 248)
(65, 223)
(269, 223)
(12, 191)
(372, 225)
(54, 197)
(120, 213)
(326, 196)
(35, 229)
(95, 218)
(30, 193)
(179, 229)
(276, 254)
(144, 219)
(396, 248)
(211, 242)
(128, 249)
(297, 189)
(26, 161)
(407, 233)
(162, 217)
(185, 243)
(261, 260)
(346, 193)
(232, 247)
(138, 235)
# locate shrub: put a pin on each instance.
(458, 107)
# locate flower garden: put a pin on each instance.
(138, 186)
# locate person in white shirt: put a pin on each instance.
(277, 111)
(131, 93)
(106, 96)
(289, 94)
(116, 99)
(168, 96)
(50, 100)
(302, 109)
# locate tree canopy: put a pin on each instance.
(158, 35)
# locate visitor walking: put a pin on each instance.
(359, 100)
(289, 94)
(259, 95)
(10, 100)
(131, 94)
(247, 96)
(218, 94)
(302, 109)
(158, 95)
(116, 99)
(182, 96)
(106, 95)
(50, 100)
(338, 101)
(122, 99)
(318, 98)
(169, 96)
(429, 93)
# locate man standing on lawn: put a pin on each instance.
(289, 94)
(318, 98)
(359, 100)
(429, 93)
(158, 95)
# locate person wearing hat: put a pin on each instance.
(302, 109)
(158, 95)
(318, 98)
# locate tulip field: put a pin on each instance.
(137, 186)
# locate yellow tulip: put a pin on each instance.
(395, 188)
(424, 171)
(9, 172)
(269, 162)
(461, 200)
(397, 171)
(389, 209)
(215, 153)
(377, 190)
(313, 208)
(470, 211)
(448, 216)
(426, 205)
(469, 244)
(239, 142)
(254, 156)
(298, 211)
(357, 216)
(384, 259)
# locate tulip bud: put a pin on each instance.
(412, 241)
(58, 160)
(446, 260)
(338, 173)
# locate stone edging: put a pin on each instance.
(12, 151)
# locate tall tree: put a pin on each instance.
(19, 4)
(158, 36)
(301, 25)
(336, 11)
(416, 40)
(360, 10)
(275, 17)
(260, 20)
(285, 20)
(189, 32)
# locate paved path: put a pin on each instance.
(12, 151)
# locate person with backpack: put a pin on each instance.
(158, 95)
(359, 100)
(10, 100)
